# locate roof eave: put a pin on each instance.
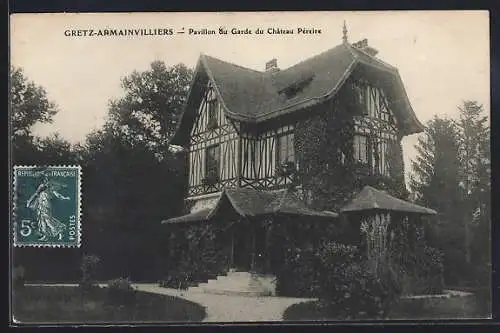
(175, 140)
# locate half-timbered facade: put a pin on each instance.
(246, 134)
(238, 126)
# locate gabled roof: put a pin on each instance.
(248, 202)
(254, 96)
(372, 199)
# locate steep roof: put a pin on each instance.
(256, 96)
(372, 199)
(248, 202)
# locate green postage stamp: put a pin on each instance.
(47, 206)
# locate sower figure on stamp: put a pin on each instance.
(40, 202)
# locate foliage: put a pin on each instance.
(176, 279)
(340, 277)
(475, 180)
(149, 113)
(123, 164)
(114, 161)
(328, 171)
(88, 268)
(29, 104)
(451, 174)
(416, 266)
(349, 286)
(121, 292)
(436, 168)
(299, 275)
(196, 256)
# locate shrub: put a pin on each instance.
(176, 279)
(121, 292)
(88, 268)
(18, 278)
(349, 288)
(298, 276)
(432, 267)
(424, 271)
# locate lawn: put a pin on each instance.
(50, 304)
(416, 309)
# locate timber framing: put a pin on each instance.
(237, 120)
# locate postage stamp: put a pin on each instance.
(47, 206)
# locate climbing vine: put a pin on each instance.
(196, 254)
(324, 144)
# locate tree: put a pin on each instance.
(475, 159)
(29, 105)
(435, 182)
(452, 175)
(132, 179)
(55, 150)
(436, 168)
(149, 112)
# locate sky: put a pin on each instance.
(442, 56)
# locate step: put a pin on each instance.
(239, 274)
(196, 289)
(232, 286)
(233, 292)
(234, 283)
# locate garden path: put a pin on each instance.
(225, 308)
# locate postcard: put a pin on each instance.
(249, 167)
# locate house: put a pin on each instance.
(245, 138)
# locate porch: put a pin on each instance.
(246, 217)
(253, 232)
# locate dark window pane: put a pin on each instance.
(212, 161)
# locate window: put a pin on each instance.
(285, 151)
(373, 101)
(373, 152)
(361, 149)
(361, 92)
(212, 113)
(212, 159)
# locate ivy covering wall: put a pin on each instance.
(324, 146)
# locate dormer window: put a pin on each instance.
(293, 89)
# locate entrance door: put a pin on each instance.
(242, 248)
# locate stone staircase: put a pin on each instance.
(239, 283)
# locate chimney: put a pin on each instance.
(272, 65)
(363, 45)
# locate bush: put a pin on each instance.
(431, 267)
(88, 268)
(176, 279)
(121, 292)
(298, 276)
(348, 287)
(18, 279)
(425, 272)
